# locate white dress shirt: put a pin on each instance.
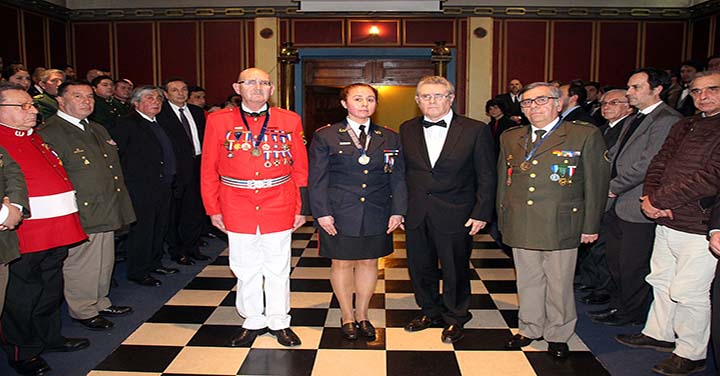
(71, 119)
(356, 128)
(435, 137)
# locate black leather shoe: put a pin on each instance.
(96, 323)
(595, 298)
(423, 322)
(34, 366)
(116, 310)
(601, 313)
(349, 331)
(147, 281)
(286, 337)
(639, 340)
(69, 344)
(366, 329)
(165, 271)
(581, 287)
(200, 256)
(558, 349)
(517, 341)
(614, 320)
(183, 260)
(677, 365)
(246, 336)
(452, 333)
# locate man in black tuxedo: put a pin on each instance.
(450, 174)
(149, 166)
(574, 94)
(185, 126)
(511, 101)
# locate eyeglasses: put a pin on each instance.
(714, 90)
(538, 101)
(24, 106)
(256, 82)
(437, 97)
(613, 102)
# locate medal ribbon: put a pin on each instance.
(539, 142)
(356, 140)
(261, 136)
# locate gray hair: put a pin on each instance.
(703, 74)
(142, 90)
(622, 91)
(47, 72)
(554, 91)
(435, 80)
(7, 86)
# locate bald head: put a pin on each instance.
(255, 88)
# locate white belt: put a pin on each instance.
(52, 206)
(254, 184)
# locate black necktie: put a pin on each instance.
(363, 135)
(538, 136)
(632, 127)
(428, 124)
(84, 122)
(185, 123)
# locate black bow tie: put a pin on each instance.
(256, 114)
(428, 124)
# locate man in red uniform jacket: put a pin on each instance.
(254, 168)
(31, 321)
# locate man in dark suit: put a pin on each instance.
(685, 104)
(574, 94)
(630, 234)
(149, 166)
(511, 101)
(450, 173)
(185, 125)
(594, 274)
(553, 187)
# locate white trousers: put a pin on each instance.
(681, 273)
(261, 263)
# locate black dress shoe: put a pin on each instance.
(366, 329)
(200, 256)
(165, 271)
(349, 331)
(423, 322)
(115, 310)
(147, 281)
(452, 333)
(558, 349)
(69, 344)
(33, 366)
(286, 337)
(183, 260)
(517, 341)
(595, 298)
(639, 340)
(246, 336)
(96, 323)
(615, 320)
(601, 313)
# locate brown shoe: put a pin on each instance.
(639, 340)
(678, 366)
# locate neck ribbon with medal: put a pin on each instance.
(525, 165)
(245, 140)
(363, 159)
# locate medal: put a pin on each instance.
(364, 159)
(508, 181)
(246, 146)
(267, 164)
(525, 165)
(230, 155)
(255, 152)
(236, 147)
(266, 147)
(563, 181)
(554, 177)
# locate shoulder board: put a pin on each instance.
(39, 96)
(580, 122)
(323, 127)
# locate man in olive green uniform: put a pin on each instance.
(15, 200)
(107, 108)
(46, 102)
(91, 160)
(552, 187)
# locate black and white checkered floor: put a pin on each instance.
(189, 334)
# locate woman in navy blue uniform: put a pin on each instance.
(358, 198)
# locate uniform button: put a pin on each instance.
(575, 210)
(362, 199)
(161, 162)
(534, 162)
(531, 189)
(257, 208)
(110, 166)
(530, 202)
(429, 193)
(115, 177)
(364, 185)
(85, 203)
(566, 161)
(257, 173)
(533, 175)
(65, 179)
(257, 191)
(118, 189)
(340, 152)
(161, 175)
(105, 155)
(365, 172)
